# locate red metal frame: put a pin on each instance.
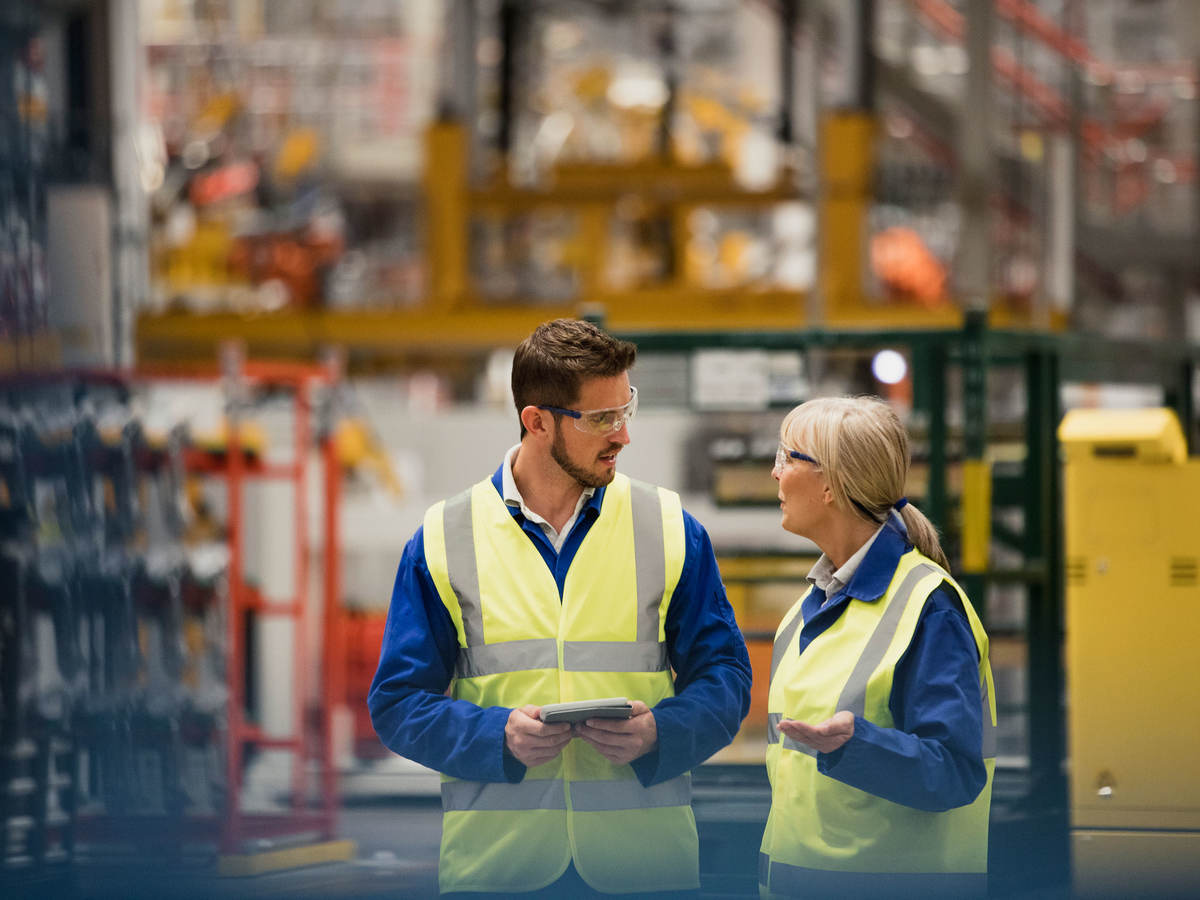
(1100, 141)
(237, 827)
(949, 23)
(306, 743)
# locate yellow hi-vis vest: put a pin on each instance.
(519, 644)
(825, 838)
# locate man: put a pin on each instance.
(557, 579)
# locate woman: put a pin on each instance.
(881, 717)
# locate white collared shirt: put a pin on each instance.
(823, 575)
(513, 497)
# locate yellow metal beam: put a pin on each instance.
(446, 211)
(474, 326)
(847, 163)
(976, 515)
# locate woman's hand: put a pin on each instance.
(824, 738)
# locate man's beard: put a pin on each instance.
(558, 452)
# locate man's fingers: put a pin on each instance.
(614, 753)
(527, 720)
(547, 741)
(531, 740)
(612, 726)
(600, 737)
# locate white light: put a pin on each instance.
(889, 367)
(637, 89)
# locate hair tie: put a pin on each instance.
(900, 504)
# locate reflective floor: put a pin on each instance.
(397, 844)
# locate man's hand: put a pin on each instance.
(531, 740)
(622, 740)
(826, 737)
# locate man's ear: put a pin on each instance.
(536, 421)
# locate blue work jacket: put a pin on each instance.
(933, 758)
(414, 718)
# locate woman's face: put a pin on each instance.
(804, 495)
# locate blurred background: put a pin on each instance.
(263, 264)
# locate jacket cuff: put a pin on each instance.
(514, 769)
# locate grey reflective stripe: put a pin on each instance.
(606, 796)
(507, 656)
(774, 736)
(614, 656)
(773, 720)
(544, 793)
(854, 694)
(649, 556)
(780, 878)
(578, 656)
(989, 730)
(461, 565)
(586, 796)
(782, 640)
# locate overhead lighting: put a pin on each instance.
(889, 366)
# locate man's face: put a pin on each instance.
(591, 459)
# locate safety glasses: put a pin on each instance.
(600, 421)
(785, 455)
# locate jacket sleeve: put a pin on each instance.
(933, 759)
(712, 668)
(408, 704)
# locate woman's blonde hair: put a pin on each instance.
(862, 449)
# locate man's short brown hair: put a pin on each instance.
(551, 364)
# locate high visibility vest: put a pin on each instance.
(519, 644)
(825, 838)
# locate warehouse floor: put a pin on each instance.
(397, 846)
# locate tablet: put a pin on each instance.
(579, 710)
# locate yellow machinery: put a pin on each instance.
(1133, 639)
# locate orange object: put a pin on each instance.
(906, 266)
(220, 184)
(363, 638)
(760, 664)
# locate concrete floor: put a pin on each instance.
(397, 839)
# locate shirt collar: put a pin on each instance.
(872, 566)
(831, 581)
(512, 497)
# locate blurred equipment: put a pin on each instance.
(126, 714)
(901, 260)
(1133, 616)
(357, 446)
(311, 795)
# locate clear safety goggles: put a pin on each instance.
(600, 421)
(785, 455)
